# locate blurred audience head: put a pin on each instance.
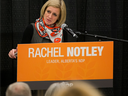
(18, 89)
(56, 88)
(75, 88)
(81, 88)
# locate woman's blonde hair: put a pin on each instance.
(58, 4)
(56, 88)
(80, 88)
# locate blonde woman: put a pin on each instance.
(78, 88)
(56, 88)
(47, 27)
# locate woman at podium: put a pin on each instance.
(47, 28)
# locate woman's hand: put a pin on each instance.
(12, 53)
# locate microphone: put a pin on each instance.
(15, 54)
(67, 29)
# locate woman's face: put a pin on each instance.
(51, 15)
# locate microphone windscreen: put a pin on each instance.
(64, 25)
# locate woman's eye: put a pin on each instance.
(54, 14)
(48, 11)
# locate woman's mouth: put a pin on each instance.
(48, 20)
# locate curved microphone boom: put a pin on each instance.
(67, 29)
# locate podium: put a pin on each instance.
(42, 64)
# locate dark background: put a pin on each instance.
(101, 17)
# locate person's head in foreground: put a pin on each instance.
(18, 89)
(55, 88)
(77, 89)
(81, 88)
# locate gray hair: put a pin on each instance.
(18, 89)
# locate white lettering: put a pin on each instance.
(55, 52)
(100, 50)
(60, 53)
(43, 52)
(87, 52)
(77, 49)
(37, 52)
(93, 51)
(31, 51)
(69, 51)
(48, 52)
(83, 52)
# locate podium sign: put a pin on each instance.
(65, 61)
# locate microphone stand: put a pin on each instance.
(101, 37)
